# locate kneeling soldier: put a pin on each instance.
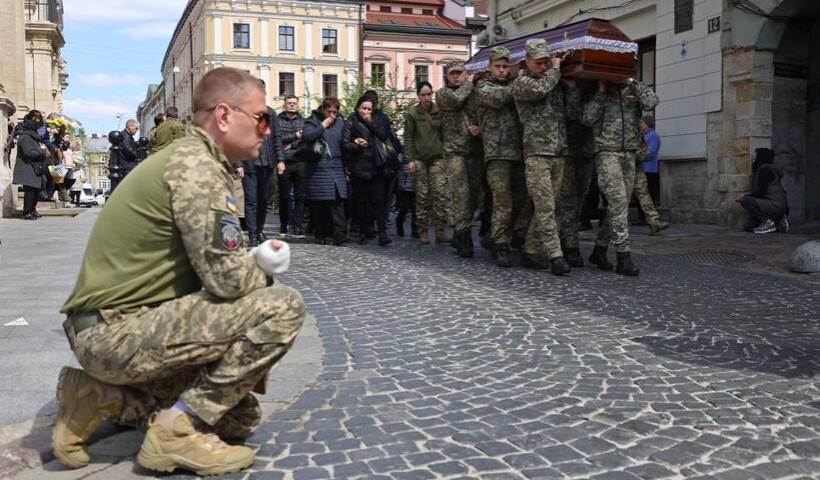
(172, 320)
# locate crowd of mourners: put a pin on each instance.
(515, 147)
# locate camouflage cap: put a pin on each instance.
(455, 65)
(497, 53)
(537, 48)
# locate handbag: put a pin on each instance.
(386, 156)
(313, 151)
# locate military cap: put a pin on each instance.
(455, 65)
(497, 53)
(537, 48)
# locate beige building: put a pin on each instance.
(304, 48)
(153, 104)
(32, 70)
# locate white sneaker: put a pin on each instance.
(765, 227)
(783, 225)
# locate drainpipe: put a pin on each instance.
(492, 13)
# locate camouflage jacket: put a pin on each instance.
(457, 107)
(614, 114)
(498, 119)
(544, 104)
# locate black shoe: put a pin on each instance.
(384, 240)
(559, 267)
(502, 256)
(625, 265)
(283, 229)
(253, 241)
(260, 237)
(321, 241)
(298, 231)
(341, 241)
(371, 234)
(29, 216)
(598, 257)
(465, 243)
(362, 240)
(584, 226)
(573, 257)
(36, 214)
(536, 262)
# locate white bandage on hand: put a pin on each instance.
(272, 261)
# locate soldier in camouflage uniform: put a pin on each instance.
(503, 151)
(544, 103)
(459, 129)
(613, 112)
(574, 188)
(172, 320)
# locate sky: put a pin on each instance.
(114, 50)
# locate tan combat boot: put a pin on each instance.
(657, 226)
(441, 236)
(164, 450)
(424, 237)
(84, 403)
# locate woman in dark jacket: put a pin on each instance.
(767, 205)
(31, 163)
(366, 169)
(326, 179)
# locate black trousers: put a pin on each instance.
(371, 204)
(30, 197)
(294, 176)
(406, 202)
(256, 185)
(75, 197)
(756, 214)
(328, 219)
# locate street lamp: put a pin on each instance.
(175, 70)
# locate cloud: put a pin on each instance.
(81, 108)
(109, 80)
(150, 30)
(123, 11)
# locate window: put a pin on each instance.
(377, 74)
(422, 74)
(330, 86)
(287, 84)
(684, 13)
(102, 170)
(406, 10)
(384, 9)
(330, 41)
(241, 35)
(646, 61)
(426, 11)
(286, 35)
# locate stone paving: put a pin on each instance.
(440, 367)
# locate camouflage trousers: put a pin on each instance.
(616, 178)
(461, 190)
(574, 189)
(642, 193)
(544, 177)
(507, 183)
(432, 200)
(205, 351)
(477, 173)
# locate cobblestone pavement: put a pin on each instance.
(439, 367)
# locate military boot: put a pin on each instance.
(502, 255)
(517, 242)
(424, 238)
(465, 243)
(536, 262)
(84, 402)
(165, 450)
(558, 266)
(573, 257)
(625, 265)
(656, 226)
(441, 236)
(598, 257)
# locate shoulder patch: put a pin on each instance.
(230, 233)
(230, 203)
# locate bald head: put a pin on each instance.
(132, 126)
(223, 85)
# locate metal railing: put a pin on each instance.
(45, 11)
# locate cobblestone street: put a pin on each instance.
(440, 367)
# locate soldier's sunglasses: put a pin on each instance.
(262, 119)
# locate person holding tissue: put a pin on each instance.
(173, 321)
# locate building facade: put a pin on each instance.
(732, 77)
(406, 42)
(95, 154)
(303, 48)
(153, 105)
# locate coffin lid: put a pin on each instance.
(593, 33)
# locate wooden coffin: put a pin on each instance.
(592, 49)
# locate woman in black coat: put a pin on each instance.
(326, 180)
(31, 163)
(366, 169)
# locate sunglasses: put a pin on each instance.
(262, 119)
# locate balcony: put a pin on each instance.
(45, 11)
